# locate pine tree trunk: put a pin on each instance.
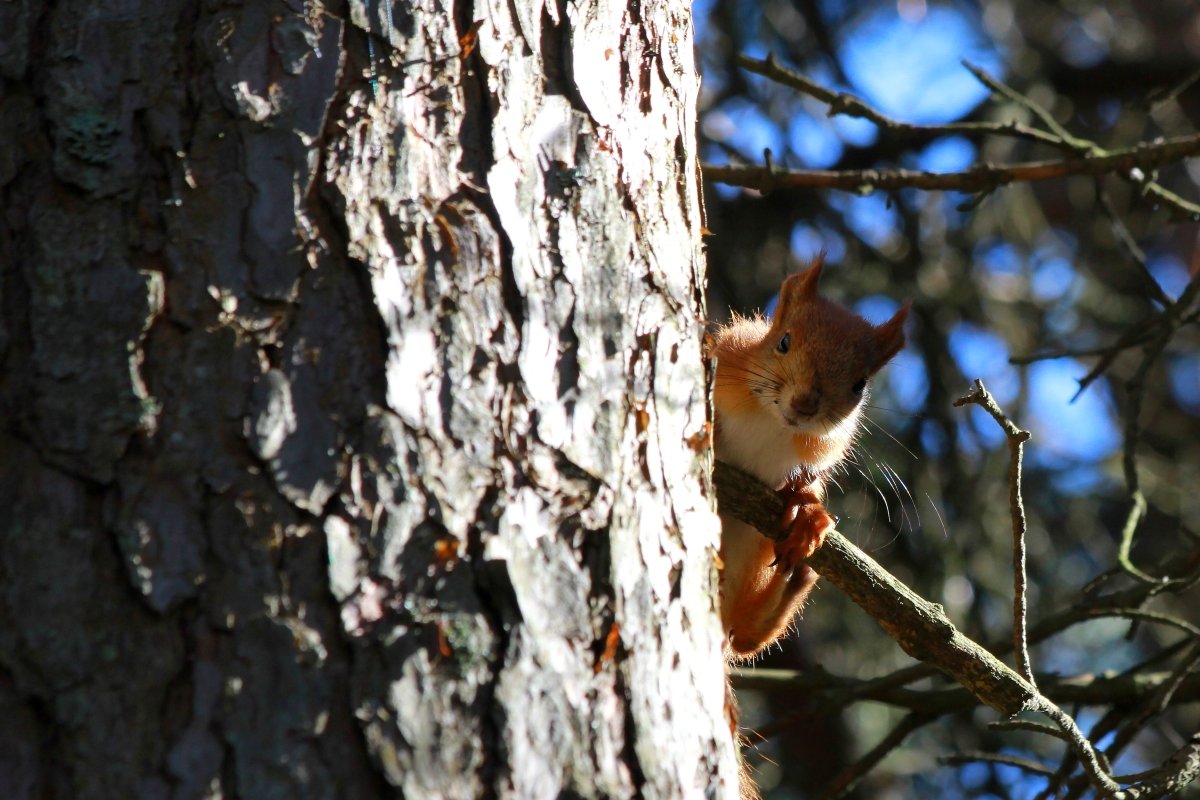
(353, 440)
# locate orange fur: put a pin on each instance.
(787, 413)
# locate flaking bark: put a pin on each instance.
(346, 434)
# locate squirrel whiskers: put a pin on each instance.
(789, 394)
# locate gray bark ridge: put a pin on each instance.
(349, 438)
(537, 281)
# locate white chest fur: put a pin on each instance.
(758, 444)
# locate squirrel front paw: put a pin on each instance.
(805, 522)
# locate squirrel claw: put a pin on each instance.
(806, 525)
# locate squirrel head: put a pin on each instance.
(824, 356)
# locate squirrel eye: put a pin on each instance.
(860, 386)
(782, 347)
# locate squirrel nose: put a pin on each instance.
(806, 404)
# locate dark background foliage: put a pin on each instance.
(1066, 265)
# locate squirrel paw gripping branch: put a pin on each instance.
(789, 395)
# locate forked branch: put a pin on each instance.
(981, 397)
(923, 630)
(1135, 165)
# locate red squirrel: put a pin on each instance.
(789, 393)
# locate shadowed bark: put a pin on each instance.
(353, 440)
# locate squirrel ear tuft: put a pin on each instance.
(889, 337)
(803, 285)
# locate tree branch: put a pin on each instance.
(921, 628)
(1016, 446)
(1128, 691)
(1060, 134)
(997, 758)
(1173, 316)
(1134, 165)
(984, 177)
(848, 778)
(852, 106)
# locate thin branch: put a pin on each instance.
(1137, 508)
(828, 693)
(923, 631)
(1027, 725)
(1146, 616)
(979, 178)
(852, 106)
(1148, 330)
(1179, 770)
(1177, 90)
(1157, 702)
(1154, 331)
(1076, 787)
(1185, 208)
(1122, 234)
(1016, 448)
(1174, 316)
(1029, 765)
(1061, 134)
(1132, 337)
(983, 179)
(1123, 691)
(921, 628)
(1184, 569)
(1100, 778)
(848, 778)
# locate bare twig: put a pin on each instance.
(1148, 330)
(851, 106)
(1027, 725)
(1179, 770)
(1097, 772)
(1016, 447)
(1137, 335)
(848, 778)
(1063, 776)
(1135, 165)
(1182, 209)
(1137, 508)
(1061, 134)
(1034, 767)
(1176, 90)
(1095, 764)
(1173, 317)
(1121, 232)
(1157, 702)
(920, 628)
(1154, 334)
(1120, 691)
(1146, 616)
(979, 178)
(1184, 569)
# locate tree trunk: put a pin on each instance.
(354, 440)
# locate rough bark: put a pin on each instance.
(353, 442)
